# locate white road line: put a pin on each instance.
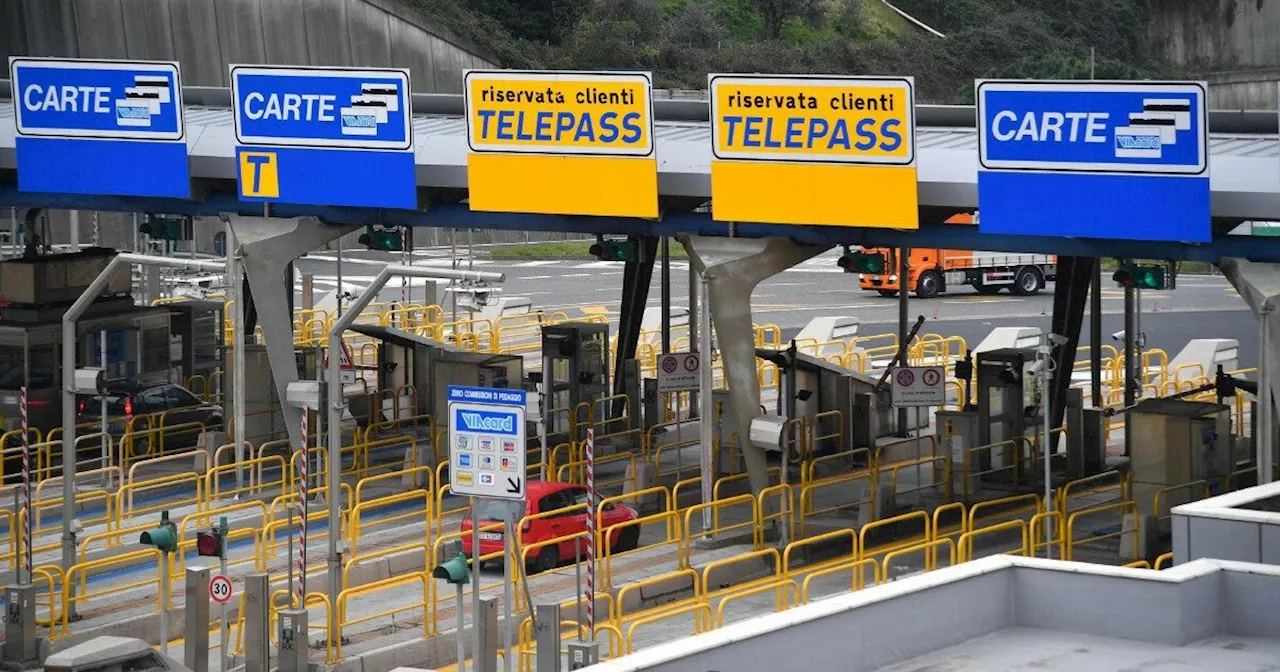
(530, 264)
(576, 275)
(537, 277)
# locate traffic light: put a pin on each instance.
(612, 250)
(164, 537)
(1140, 276)
(385, 240)
(211, 544)
(862, 262)
(455, 570)
(166, 227)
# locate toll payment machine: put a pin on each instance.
(1008, 394)
(575, 370)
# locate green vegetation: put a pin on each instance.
(683, 40)
(559, 249)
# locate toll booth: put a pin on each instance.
(575, 370)
(409, 362)
(1008, 394)
(196, 328)
(34, 295)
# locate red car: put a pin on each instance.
(544, 496)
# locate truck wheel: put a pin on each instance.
(1027, 281)
(929, 285)
(887, 292)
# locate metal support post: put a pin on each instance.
(693, 334)
(257, 651)
(476, 627)
(103, 441)
(1045, 406)
(20, 643)
(292, 637)
(235, 280)
(1095, 334)
(904, 322)
(74, 231)
(461, 631)
(224, 629)
(1130, 364)
(14, 247)
(485, 623)
(509, 559)
(784, 535)
(666, 295)
(706, 418)
(546, 630)
(1265, 439)
(195, 649)
(164, 600)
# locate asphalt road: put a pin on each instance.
(1201, 307)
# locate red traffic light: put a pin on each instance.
(209, 544)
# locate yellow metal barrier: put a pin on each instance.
(927, 550)
(1138, 564)
(1004, 458)
(1162, 496)
(636, 589)
(945, 509)
(757, 537)
(786, 506)
(768, 555)
(808, 505)
(1004, 506)
(964, 547)
(933, 463)
(124, 498)
(668, 518)
(1093, 485)
(848, 456)
(910, 517)
(81, 571)
(1046, 532)
(786, 595)
(1164, 559)
(856, 568)
(391, 500)
(256, 484)
(698, 609)
(395, 477)
(354, 560)
(1124, 508)
(790, 572)
(386, 584)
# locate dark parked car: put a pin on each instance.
(169, 405)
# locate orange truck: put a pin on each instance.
(935, 271)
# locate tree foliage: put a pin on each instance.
(683, 40)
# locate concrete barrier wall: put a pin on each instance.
(207, 35)
(891, 623)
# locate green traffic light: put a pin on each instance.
(455, 570)
(873, 263)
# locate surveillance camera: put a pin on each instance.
(1057, 339)
(1118, 336)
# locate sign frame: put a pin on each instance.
(219, 579)
(405, 96)
(650, 151)
(909, 134)
(465, 459)
(913, 389)
(681, 378)
(1092, 86)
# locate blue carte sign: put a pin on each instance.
(324, 136)
(1094, 159)
(99, 127)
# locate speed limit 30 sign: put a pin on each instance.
(918, 386)
(220, 589)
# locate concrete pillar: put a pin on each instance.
(733, 267)
(490, 639)
(546, 630)
(269, 245)
(257, 646)
(195, 648)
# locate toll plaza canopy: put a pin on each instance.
(1243, 147)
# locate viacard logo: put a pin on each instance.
(368, 110)
(479, 421)
(1157, 126)
(142, 101)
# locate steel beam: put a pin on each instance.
(636, 277)
(1075, 275)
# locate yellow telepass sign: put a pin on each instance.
(827, 150)
(573, 143)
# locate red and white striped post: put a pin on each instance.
(303, 501)
(26, 485)
(591, 533)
